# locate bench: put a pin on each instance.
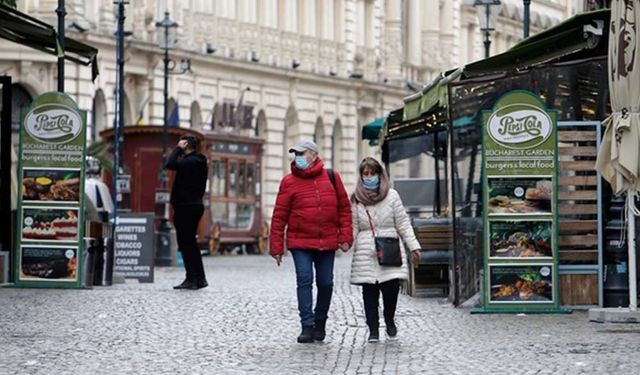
(435, 236)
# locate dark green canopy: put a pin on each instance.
(371, 131)
(31, 32)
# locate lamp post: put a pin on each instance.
(527, 17)
(167, 37)
(488, 11)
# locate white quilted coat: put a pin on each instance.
(389, 219)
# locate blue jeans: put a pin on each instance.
(304, 261)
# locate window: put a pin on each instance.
(219, 178)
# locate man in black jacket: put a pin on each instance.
(186, 199)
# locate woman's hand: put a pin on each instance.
(415, 256)
(278, 259)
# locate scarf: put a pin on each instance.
(371, 197)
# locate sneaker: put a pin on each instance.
(319, 332)
(306, 336)
(374, 335)
(187, 284)
(392, 330)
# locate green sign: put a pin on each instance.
(51, 194)
(519, 161)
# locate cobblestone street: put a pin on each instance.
(247, 322)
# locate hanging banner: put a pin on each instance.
(520, 215)
(51, 170)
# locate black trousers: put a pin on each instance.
(186, 219)
(371, 294)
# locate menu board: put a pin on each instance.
(520, 214)
(51, 170)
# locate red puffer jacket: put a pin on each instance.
(315, 216)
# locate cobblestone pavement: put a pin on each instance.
(246, 323)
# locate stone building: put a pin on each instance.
(314, 68)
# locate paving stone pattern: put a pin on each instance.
(246, 322)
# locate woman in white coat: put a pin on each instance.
(374, 199)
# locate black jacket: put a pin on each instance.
(191, 177)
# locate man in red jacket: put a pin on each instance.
(314, 209)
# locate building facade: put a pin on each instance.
(316, 69)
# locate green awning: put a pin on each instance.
(371, 131)
(566, 38)
(431, 96)
(31, 32)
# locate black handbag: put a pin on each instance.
(387, 248)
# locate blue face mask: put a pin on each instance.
(301, 162)
(371, 183)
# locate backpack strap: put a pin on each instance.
(332, 177)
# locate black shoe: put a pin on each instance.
(319, 330)
(187, 284)
(374, 335)
(202, 283)
(306, 335)
(392, 330)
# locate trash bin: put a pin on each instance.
(104, 263)
(164, 257)
(88, 267)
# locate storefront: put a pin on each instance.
(565, 69)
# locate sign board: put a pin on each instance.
(51, 170)
(520, 215)
(134, 246)
(162, 196)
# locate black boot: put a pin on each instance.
(374, 334)
(202, 283)
(187, 284)
(306, 335)
(392, 330)
(319, 330)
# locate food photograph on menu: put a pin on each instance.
(50, 224)
(48, 263)
(531, 283)
(520, 239)
(51, 185)
(520, 195)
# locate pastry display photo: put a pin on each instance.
(520, 239)
(55, 185)
(50, 224)
(520, 195)
(40, 262)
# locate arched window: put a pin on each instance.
(195, 122)
(290, 135)
(99, 119)
(319, 136)
(336, 145)
(261, 125)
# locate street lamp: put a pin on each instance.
(488, 11)
(167, 38)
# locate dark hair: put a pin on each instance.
(191, 141)
(372, 164)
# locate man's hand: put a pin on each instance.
(415, 256)
(278, 259)
(344, 247)
(182, 144)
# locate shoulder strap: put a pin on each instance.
(332, 177)
(370, 222)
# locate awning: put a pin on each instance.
(571, 40)
(371, 131)
(31, 32)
